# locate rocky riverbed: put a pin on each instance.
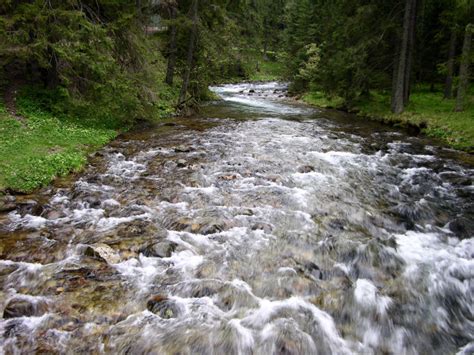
(260, 226)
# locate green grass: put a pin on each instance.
(257, 68)
(426, 109)
(44, 146)
(58, 132)
(269, 70)
(317, 98)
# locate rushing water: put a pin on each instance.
(261, 227)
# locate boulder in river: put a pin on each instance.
(24, 307)
(102, 252)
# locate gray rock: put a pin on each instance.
(160, 250)
(305, 169)
(30, 207)
(183, 149)
(102, 252)
(462, 227)
(7, 203)
(181, 163)
(163, 307)
(23, 307)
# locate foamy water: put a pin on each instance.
(288, 234)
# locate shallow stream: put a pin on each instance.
(260, 226)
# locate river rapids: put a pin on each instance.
(260, 226)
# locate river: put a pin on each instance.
(259, 226)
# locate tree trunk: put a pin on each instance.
(52, 76)
(396, 59)
(265, 39)
(464, 69)
(448, 86)
(265, 46)
(410, 49)
(189, 59)
(171, 48)
(399, 84)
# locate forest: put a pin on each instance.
(108, 64)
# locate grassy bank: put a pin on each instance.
(254, 66)
(42, 146)
(426, 109)
(267, 70)
(38, 145)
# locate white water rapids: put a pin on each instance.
(260, 227)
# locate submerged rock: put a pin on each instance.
(305, 169)
(102, 252)
(24, 307)
(162, 306)
(462, 227)
(7, 203)
(161, 250)
(183, 149)
(30, 207)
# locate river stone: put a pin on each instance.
(266, 227)
(22, 307)
(305, 169)
(162, 306)
(102, 252)
(455, 178)
(310, 269)
(30, 207)
(462, 227)
(53, 215)
(7, 203)
(181, 163)
(160, 250)
(182, 149)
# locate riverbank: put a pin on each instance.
(427, 110)
(37, 145)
